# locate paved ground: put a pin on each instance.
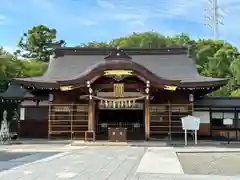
(54, 162)
(211, 163)
(10, 160)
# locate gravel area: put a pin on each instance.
(223, 163)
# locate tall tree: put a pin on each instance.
(37, 43)
(95, 44)
(11, 67)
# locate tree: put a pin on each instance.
(11, 67)
(30, 68)
(37, 43)
(95, 44)
(235, 69)
(236, 93)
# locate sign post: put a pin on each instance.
(228, 122)
(185, 136)
(190, 123)
(195, 132)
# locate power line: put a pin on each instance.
(213, 17)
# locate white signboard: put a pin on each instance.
(227, 121)
(190, 123)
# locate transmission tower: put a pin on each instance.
(213, 17)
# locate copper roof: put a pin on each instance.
(168, 65)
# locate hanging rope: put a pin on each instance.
(118, 99)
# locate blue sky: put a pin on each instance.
(80, 21)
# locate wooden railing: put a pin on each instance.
(68, 120)
(165, 119)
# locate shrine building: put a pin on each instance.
(96, 93)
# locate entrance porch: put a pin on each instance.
(118, 103)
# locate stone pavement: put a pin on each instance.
(162, 161)
(117, 163)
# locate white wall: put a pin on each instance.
(32, 103)
(28, 103)
(43, 103)
(22, 113)
(203, 115)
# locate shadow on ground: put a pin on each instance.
(10, 160)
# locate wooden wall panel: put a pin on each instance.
(68, 97)
(204, 130)
(173, 97)
(33, 129)
(224, 133)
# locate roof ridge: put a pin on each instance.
(173, 50)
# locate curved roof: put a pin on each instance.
(99, 68)
(168, 66)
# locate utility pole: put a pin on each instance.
(213, 17)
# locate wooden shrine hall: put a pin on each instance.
(119, 94)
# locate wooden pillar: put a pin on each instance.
(147, 112)
(90, 108)
(90, 115)
(169, 120)
(147, 119)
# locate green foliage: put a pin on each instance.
(95, 44)
(236, 93)
(37, 43)
(11, 67)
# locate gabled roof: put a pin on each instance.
(224, 102)
(16, 92)
(169, 64)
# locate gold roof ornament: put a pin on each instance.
(118, 72)
(170, 88)
(66, 88)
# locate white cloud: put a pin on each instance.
(162, 11)
(127, 16)
(106, 4)
(138, 23)
(3, 19)
(44, 4)
(9, 48)
(137, 15)
(85, 21)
